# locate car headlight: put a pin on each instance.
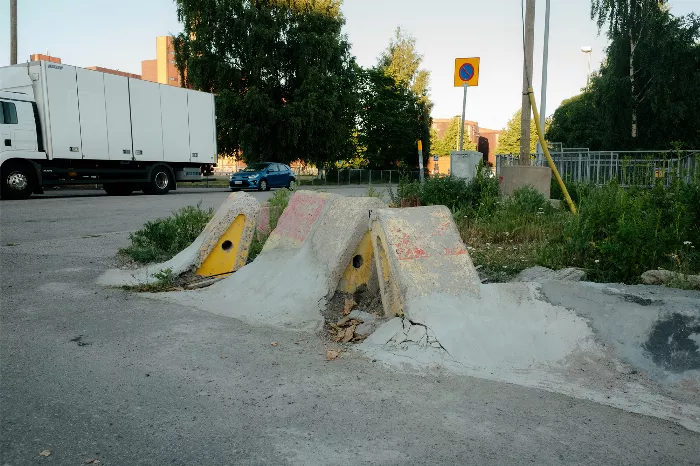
(252, 177)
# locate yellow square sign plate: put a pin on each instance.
(467, 71)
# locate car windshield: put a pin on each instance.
(255, 168)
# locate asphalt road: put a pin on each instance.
(92, 373)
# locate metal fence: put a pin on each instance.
(627, 168)
(357, 176)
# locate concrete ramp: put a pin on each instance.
(221, 248)
(631, 351)
(316, 239)
(419, 254)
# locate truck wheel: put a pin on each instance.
(118, 189)
(161, 181)
(17, 180)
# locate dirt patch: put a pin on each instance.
(343, 315)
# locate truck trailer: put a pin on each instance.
(65, 125)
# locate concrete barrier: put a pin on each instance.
(517, 176)
(316, 239)
(418, 253)
(221, 248)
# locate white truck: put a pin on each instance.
(64, 125)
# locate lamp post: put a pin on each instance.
(588, 49)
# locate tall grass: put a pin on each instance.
(161, 239)
(618, 234)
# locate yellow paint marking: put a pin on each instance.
(359, 270)
(223, 258)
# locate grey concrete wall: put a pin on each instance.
(514, 177)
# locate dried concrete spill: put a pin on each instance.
(404, 288)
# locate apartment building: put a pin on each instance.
(162, 69)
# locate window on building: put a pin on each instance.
(8, 113)
(171, 61)
(171, 78)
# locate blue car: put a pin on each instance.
(263, 176)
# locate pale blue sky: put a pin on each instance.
(119, 34)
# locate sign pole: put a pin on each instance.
(464, 113)
(420, 160)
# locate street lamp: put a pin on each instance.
(588, 49)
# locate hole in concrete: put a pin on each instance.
(357, 261)
(226, 245)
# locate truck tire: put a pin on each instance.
(17, 180)
(118, 189)
(160, 182)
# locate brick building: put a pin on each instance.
(483, 140)
(162, 69)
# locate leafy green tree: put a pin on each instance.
(575, 123)
(628, 20)
(396, 106)
(284, 78)
(390, 122)
(449, 141)
(663, 107)
(509, 140)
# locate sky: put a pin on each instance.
(119, 34)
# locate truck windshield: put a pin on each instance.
(255, 168)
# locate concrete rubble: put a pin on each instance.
(538, 273)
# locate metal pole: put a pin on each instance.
(525, 120)
(588, 76)
(420, 160)
(13, 32)
(543, 96)
(464, 115)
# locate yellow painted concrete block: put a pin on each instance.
(360, 270)
(228, 255)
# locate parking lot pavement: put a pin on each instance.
(96, 373)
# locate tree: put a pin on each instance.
(282, 72)
(391, 121)
(396, 106)
(509, 140)
(449, 141)
(664, 107)
(628, 19)
(576, 123)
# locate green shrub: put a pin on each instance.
(621, 233)
(477, 196)
(161, 239)
(527, 200)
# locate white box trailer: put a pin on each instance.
(60, 124)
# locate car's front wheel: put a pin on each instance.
(263, 185)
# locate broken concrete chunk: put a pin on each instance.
(365, 329)
(536, 274)
(364, 317)
(662, 277)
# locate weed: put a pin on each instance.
(161, 239)
(371, 192)
(256, 246)
(165, 282)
